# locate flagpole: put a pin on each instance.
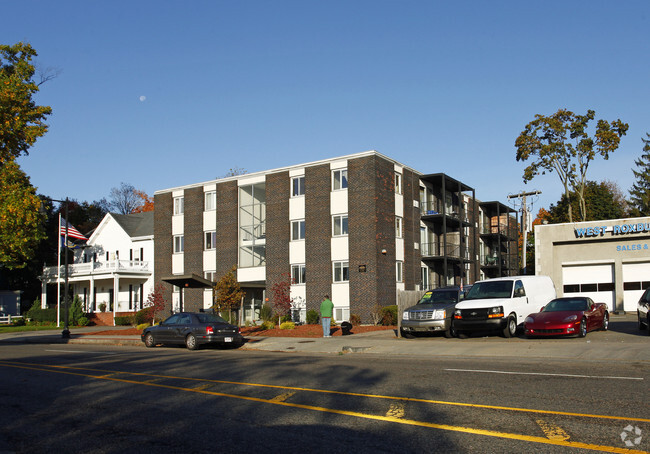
(58, 273)
(66, 332)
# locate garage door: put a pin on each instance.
(594, 281)
(636, 278)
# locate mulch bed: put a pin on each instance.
(300, 331)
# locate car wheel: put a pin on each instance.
(606, 322)
(583, 328)
(407, 335)
(511, 327)
(451, 332)
(190, 342)
(149, 341)
(638, 316)
(647, 323)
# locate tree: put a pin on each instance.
(21, 219)
(229, 293)
(561, 143)
(640, 192)
(21, 120)
(124, 199)
(281, 296)
(601, 203)
(146, 202)
(156, 301)
(233, 172)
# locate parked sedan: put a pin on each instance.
(192, 330)
(568, 316)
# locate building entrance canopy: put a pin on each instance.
(188, 281)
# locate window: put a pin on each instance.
(252, 225)
(399, 272)
(398, 183)
(179, 205)
(340, 225)
(341, 272)
(179, 244)
(424, 273)
(340, 179)
(210, 275)
(210, 200)
(297, 186)
(398, 227)
(297, 230)
(298, 274)
(210, 240)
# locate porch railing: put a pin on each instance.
(81, 269)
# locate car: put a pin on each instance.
(433, 313)
(574, 315)
(192, 329)
(643, 312)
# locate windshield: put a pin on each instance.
(205, 317)
(567, 304)
(490, 289)
(440, 296)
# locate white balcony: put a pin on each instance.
(89, 269)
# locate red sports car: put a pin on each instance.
(567, 316)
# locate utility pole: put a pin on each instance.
(524, 220)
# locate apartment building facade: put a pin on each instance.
(359, 228)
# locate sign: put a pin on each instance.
(616, 229)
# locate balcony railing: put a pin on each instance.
(436, 208)
(501, 228)
(437, 249)
(81, 269)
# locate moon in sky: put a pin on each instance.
(143, 98)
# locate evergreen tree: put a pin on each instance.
(601, 202)
(640, 192)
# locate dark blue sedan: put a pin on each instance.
(192, 330)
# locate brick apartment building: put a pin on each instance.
(358, 228)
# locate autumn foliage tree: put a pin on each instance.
(146, 202)
(156, 301)
(281, 296)
(21, 120)
(561, 143)
(229, 292)
(21, 219)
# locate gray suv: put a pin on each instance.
(643, 311)
(434, 312)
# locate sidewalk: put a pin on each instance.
(623, 342)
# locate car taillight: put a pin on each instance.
(209, 330)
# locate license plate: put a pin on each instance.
(227, 339)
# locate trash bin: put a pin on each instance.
(345, 328)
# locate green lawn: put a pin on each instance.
(16, 329)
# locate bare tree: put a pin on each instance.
(124, 200)
(233, 172)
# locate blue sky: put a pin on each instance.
(166, 93)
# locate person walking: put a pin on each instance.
(326, 308)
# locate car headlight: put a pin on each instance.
(570, 318)
(495, 312)
(457, 314)
(529, 320)
(439, 314)
(405, 315)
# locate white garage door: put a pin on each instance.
(594, 281)
(636, 278)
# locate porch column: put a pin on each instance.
(91, 295)
(116, 294)
(43, 294)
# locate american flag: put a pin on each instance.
(72, 232)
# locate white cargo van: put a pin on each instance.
(502, 304)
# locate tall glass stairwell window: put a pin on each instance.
(252, 225)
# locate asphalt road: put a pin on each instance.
(104, 399)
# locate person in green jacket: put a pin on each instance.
(326, 308)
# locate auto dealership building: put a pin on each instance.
(608, 261)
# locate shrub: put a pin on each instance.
(19, 322)
(143, 316)
(355, 320)
(83, 321)
(312, 317)
(267, 325)
(266, 312)
(288, 325)
(102, 307)
(142, 326)
(389, 315)
(124, 321)
(40, 316)
(285, 318)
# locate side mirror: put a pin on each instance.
(542, 309)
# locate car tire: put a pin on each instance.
(451, 332)
(583, 328)
(407, 335)
(511, 328)
(190, 342)
(605, 326)
(638, 316)
(647, 323)
(149, 341)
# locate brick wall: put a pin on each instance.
(227, 227)
(371, 219)
(411, 192)
(317, 234)
(193, 256)
(277, 230)
(162, 229)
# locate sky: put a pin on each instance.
(159, 94)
